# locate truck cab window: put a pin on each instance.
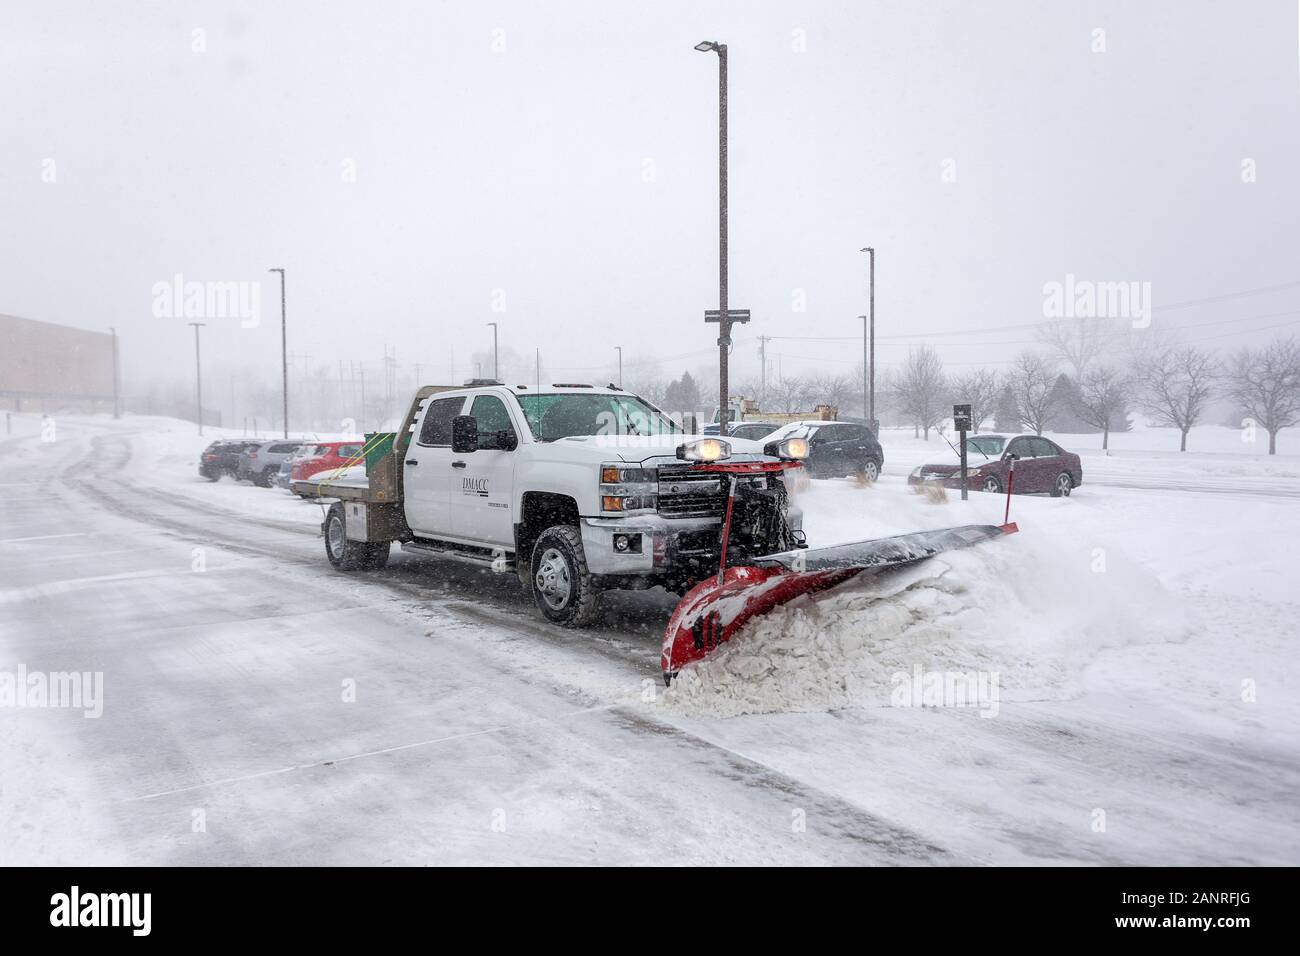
(436, 429)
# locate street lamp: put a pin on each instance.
(619, 348)
(284, 355)
(496, 357)
(724, 317)
(117, 404)
(198, 373)
(869, 352)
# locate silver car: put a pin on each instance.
(261, 463)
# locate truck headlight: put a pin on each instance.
(704, 449)
(628, 488)
(625, 503)
(616, 474)
(789, 448)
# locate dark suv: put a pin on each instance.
(836, 449)
(222, 458)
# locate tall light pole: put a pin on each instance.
(620, 365)
(198, 373)
(869, 351)
(496, 356)
(284, 355)
(724, 317)
(117, 404)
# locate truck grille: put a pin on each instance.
(684, 493)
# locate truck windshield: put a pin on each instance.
(564, 415)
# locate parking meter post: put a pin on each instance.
(961, 437)
(961, 422)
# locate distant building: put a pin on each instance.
(46, 367)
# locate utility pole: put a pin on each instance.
(390, 382)
(284, 354)
(538, 357)
(620, 365)
(117, 403)
(869, 350)
(496, 357)
(762, 357)
(725, 317)
(198, 373)
(361, 368)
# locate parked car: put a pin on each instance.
(222, 458)
(835, 449)
(1042, 466)
(325, 456)
(284, 475)
(751, 431)
(260, 463)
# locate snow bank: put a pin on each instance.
(1033, 609)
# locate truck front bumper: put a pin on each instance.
(651, 544)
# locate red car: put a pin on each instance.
(1042, 466)
(325, 456)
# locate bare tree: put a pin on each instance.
(1105, 393)
(788, 395)
(1078, 342)
(1176, 386)
(1032, 381)
(1266, 386)
(652, 388)
(919, 388)
(837, 390)
(980, 388)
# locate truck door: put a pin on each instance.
(483, 486)
(427, 472)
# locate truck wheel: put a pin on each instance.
(562, 585)
(351, 555)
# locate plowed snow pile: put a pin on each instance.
(1032, 609)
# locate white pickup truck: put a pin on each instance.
(577, 489)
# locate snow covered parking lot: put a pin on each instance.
(260, 708)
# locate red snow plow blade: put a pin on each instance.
(715, 609)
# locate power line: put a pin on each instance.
(1209, 300)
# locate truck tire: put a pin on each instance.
(348, 555)
(561, 582)
(263, 478)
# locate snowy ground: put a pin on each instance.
(260, 708)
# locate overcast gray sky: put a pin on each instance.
(565, 154)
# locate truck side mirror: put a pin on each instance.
(464, 434)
